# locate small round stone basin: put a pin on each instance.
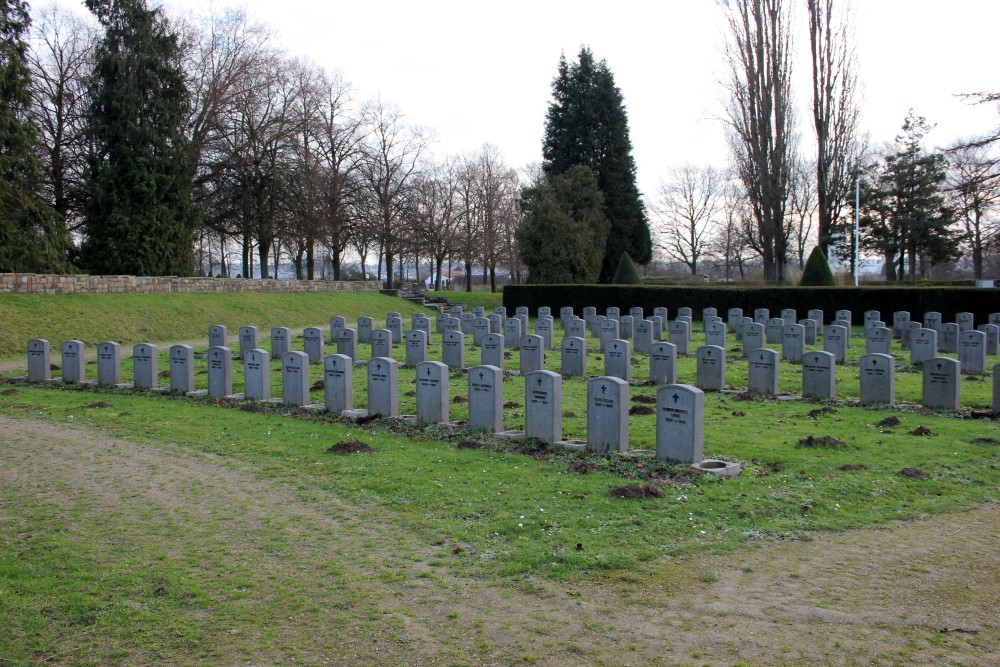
(718, 468)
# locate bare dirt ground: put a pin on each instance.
(919, 592)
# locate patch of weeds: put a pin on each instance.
(349, 447)
(822, 441)
(986, 441)
(98, 405)
(813, 414)
(511, 405)
(581, 467)
(470, 444)
(8, 392)
(460, 399)
(569, 414)
(847, 467)
(637, 491)
(915, 473)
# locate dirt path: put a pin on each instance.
(880, 596)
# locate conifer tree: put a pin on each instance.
(139, 218)
(587, 125)
(31, 236)
(627, 273)
(817, 272)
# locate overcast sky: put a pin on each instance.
(476, 72)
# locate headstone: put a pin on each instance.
(182, 368)
(878, 340)
(657, 323)
(607, 414)
(707, 313)
(249, 340)
(774, 330)
(220, 371)
(452, 324)
(809, 327)
(900, 322)
(383, 387)
(965, 321)
(453, 349)
(421, 323)
(521, 310)
(626, 327)
(872, 316)
(972, 352)
(941, 383)
(663, 363)
(793, 343)
(257, 375)
(468, 319)
(609, 332)
(595, 326)
(565, 313)
(280, 342)
(994, 318)
(818, 374)
(456, 311)
(109, 364)
(145, 366)
(874, 324)
(543, 328)
(996, 389)
(690, 324)
(574, 356)
(932, 320)
(416, 348)
(612, 313)
(753, 338)
(789, 316)
(338, 383)
(312, 343)
(479, 311)
(39, 360)
(347, 343)
(73, 362)
(908, 332)
(486, 398)
(395, 327)
(741, 326)
(711, 372)
(501, 311)
(948, 338)
(381, 343)
(733, 315)
(643, 336)
(295, 378)
(923, 345)
(544, 311)
(992, 332)
(589, 313)
(217, 334)
(543, 406)
(512, 333)
(336, 324)
(491, 352)
(532, 354)
(365, 327)
(439, 322)
(816, 314)
(661, 312)
(576, 328)
(679, 335)
(878, 379)
(618, 359)
(715, 334)
(835, 341)
(432, 392)
(680, 423)
(635, 312)
(393, 314)
(524, 322)
(762, 375)
(480, 328)
(496, 323)
(761, 315)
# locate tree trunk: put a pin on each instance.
(310, 259)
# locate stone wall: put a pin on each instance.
(35, 283)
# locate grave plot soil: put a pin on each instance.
(822, 441)
(349, 447)
(917, 592)
(889, 421)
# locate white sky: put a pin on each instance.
(476, 72)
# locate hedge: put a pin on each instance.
(917, 300)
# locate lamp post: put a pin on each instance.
(857, 227)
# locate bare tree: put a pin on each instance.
(435, 213)
(469, 237)
(760, 118)
(687, 205)
(836, 112)
(974, 191)
(802, 203)
(497, 192)
(728, 242)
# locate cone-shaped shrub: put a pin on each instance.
(817, 272)
(626, 274)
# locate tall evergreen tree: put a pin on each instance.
(587, 125)
(31, 236)
(139, 218)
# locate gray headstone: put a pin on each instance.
(932, 320)
(711, 372)
(450, 324)
(576, 328)
(421, 323)
(715, 334)
(662, 313)
(612, 313)
(416, 348)
(707, 313)
(249, 340)
(456, 311)
(753, 338)
(816, 315)
(900, 322)
(996, 389)
(609, 332)
(432, 392)
(872, 316)
(39, 360)
(182, 368)
(383, 387)
(762, 375)
(574, 356)
(145, 366)
(365, 327)
(73, 362)
(607, 414)
(789, 316)
(972, 351)
(774, 330)
(965, 321)
(818, 374)
(635, 312)
(338, 383)
(626, 327)
(810, 327)
(741, 326)
(685, 312)
(395, 327)
(846, 316)
(521, 310)
(496, 323)
(679, 335)
(217, 335)
(491, 351)
(618, 359)
(453, 349)
(663, 363)
(109, 364)
(512, 333)
(295, 378)
(479, 311)
(948, 337)
(680, 423)
(532, 354)
(878, 340)
(992, 332)
(835, 340)
(643, 336)
(501, 311)
(313, 343)
(793, 343)
(543, 406)
(923, 345)
(220, 371)
(543, 328)
(690, 325)
(280, 342)
(941, 383)
(657, 323)
(907, 332)
(336, 324)
(589, 313)
(480, 328)
(257, 375)
(439, 322)
(878, 379)
(347, 343)
(486, 398)
(732, 316)
(761, 315)
(565, 313)
(467, 320)
(544, 311)
(524, 323)
(392, 314)
(381, 343)
(994, 318)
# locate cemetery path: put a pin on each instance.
(335, 587)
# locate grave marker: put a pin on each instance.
(217, 334)
(608, 332)
(636, 313)
(835, 341)
(643, 336)
(249, 340)
(932, 320)
(948, 337)
(663, 363)
(496, 323)
(607, 414)
(480, 328)
(679, 335)
(816, 314)
(182, 368)
(612, 313)
(753, 338)
(491, 352)
(941, 383)
(680, 418)
(809, 328)
(73, 362)
(711, 371)
(543, 406)
(774, 330)
(416, 348)
(715, 334)
(576, 328)
(761, 315)
(544, 311)
(336, 324)
(618, 359)
(383, 387)
(313, 343)
(818, 374)
(789, 316)
(280, 343)
(923, 345)
(965, 321)
(734, 315)
(762, 375)
(453, 349)
(532, 354)
(512, 333)
(626, 327)
(295, 378)
(347, 343)
(486, 398)
(972, 352)
(657, 323)
(395, 327)
(257, 375)
(39, 360)
(220, 371)
(468, 319)
(878, 379)
(574, 356)
(992, 332)
(365, 327)
(432, 392)
(793, 343)
(878, 340)
(543, 328)
(109, 364)
(900, 322)
(844, 315)
(381, 343)
(145, 366)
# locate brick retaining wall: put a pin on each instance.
(35, 283)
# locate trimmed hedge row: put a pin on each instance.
(917, 300)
